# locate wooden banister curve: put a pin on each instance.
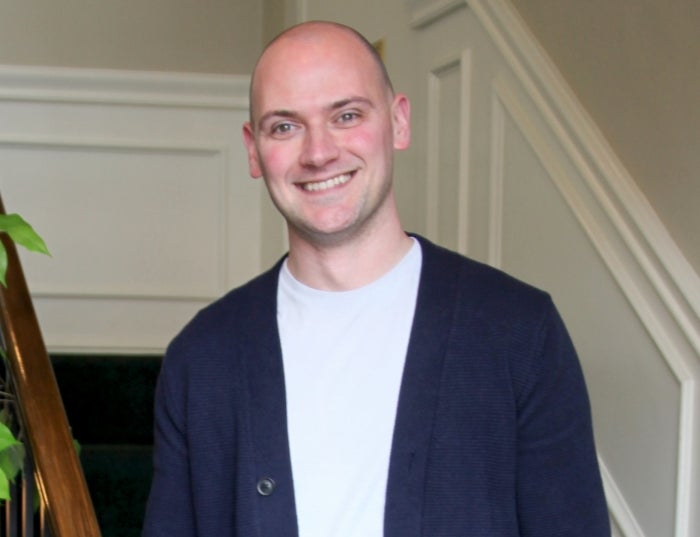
(58, 472)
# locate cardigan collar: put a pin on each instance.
(416, 408)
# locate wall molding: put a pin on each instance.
(461, 63)
(78, 289)
(620, 512)
(618, 265)
(425, 12)
(144, 131)
(655, 250)
(496, 180)
(116, 87)
(658, 281)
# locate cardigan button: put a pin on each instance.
(266, 486)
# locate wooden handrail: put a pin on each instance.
(58, 472)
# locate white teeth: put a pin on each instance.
(328, 183)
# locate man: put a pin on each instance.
(371, 383)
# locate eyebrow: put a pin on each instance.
(276, 113)
(335, 105)
(350, 100)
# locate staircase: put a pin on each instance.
(109, 403)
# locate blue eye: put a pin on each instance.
(282, 128)
(348, 116)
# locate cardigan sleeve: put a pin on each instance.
(169, 511)
(559, 489)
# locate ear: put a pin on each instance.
(401, 121)
(254, 167)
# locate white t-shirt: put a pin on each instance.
(344, 354)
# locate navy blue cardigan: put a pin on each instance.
(492, 438)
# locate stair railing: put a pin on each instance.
(65, 499)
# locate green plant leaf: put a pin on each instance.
(22, 233)
(3, 264)
(11, 460)
(11, 453)
(6, 437)
(4, 487)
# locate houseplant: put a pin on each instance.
(11, 449)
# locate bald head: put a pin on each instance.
(323, 34)
(323, 130)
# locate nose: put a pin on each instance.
(320, 147)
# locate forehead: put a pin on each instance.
(311, 68)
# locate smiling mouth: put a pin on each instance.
(317, 186)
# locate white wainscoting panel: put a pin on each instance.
(563, 214)
(138, 182)
(447, 200)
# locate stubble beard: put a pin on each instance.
(359, 224)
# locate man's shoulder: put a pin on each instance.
(474, 279)
(247, 309)
(260, 289)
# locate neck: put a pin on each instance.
(350, 264)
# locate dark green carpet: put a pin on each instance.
(109, 403)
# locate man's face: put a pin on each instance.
(324, 128)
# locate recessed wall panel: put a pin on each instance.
(120, 221)
(448, 148)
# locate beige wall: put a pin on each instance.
(636, 68)
(634, 65)
(204, 36)
(277, 15)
